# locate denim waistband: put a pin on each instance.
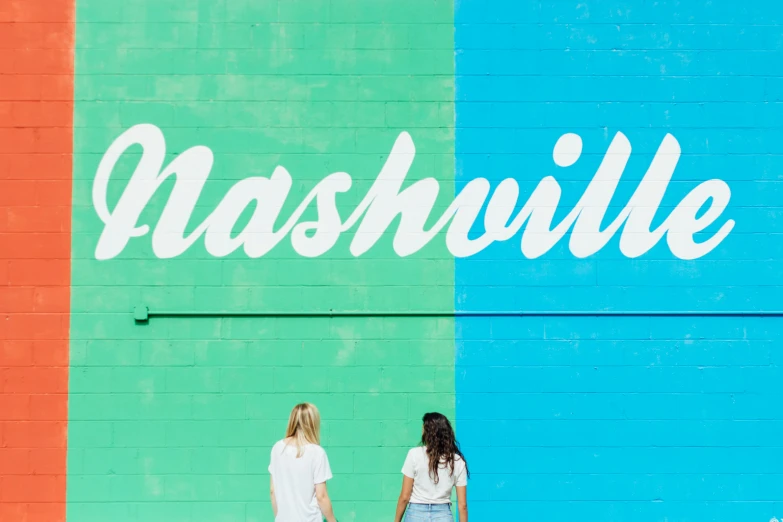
(430, 507)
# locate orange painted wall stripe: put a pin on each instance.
(36, 116)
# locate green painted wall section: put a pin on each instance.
(173, 420)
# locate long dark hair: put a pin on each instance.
(438, 437)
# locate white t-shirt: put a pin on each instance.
(425, 491)
(295, 480)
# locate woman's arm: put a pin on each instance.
(462, 503)
(405, 497)
(272, 495)
(324, 502)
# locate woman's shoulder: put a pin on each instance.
(314, 449)
(459, 462)
(288, 442)
(417, 451)
(286, 446)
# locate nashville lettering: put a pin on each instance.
(386, 200)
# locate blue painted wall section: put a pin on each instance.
(636, 418)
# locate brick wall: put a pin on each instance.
(638, 417)
(623, 418)
(35, 196)
(174, 420)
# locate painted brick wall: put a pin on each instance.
(637, 418)
(35, 197)
(174, 420)
(647, 418)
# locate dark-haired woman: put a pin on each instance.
(430, 472)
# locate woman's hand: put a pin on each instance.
(405, 497)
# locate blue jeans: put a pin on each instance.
(428, 513)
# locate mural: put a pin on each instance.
(385, 201)
(558, 223)
(650, 414)
(174, 419)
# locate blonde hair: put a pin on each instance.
(304, 426)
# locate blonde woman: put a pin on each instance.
(299, 469)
